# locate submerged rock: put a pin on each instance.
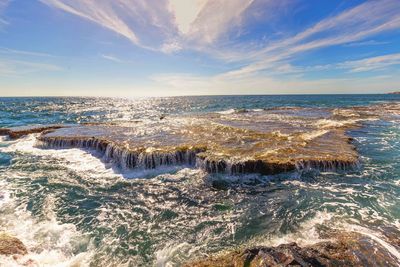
(10, 245)
(350, 249)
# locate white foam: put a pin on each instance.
(49, 242)
(326, 123)
(76, 159)
(164, 256)
(374, 236)
(4, 197)
(229, 111)
(306, 235)
(313, 134)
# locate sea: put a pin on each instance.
(70, 208)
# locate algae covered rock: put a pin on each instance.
(10, 245)
(349, 249)
(283, 255)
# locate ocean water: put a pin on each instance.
(69, 207)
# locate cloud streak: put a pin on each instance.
(17, 63)
(216, 18)
(112, 58)
(355, 24)
(3, 5)
(20, 67)
(163, 25)
(128, 18)
(8, 51)
(372, 63)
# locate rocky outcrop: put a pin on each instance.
(10, 245)
(125, 157)
(4, 131)
(130, 157)
(349, 249)
(266, 142)
(18, 132)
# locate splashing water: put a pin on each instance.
(70, 207)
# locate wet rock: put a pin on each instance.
(10, 245)
(239, 143)
(4, 131)
(283, 255)
(18, 132)
(349, 249)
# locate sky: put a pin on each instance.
(129, 48)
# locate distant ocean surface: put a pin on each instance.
(69, 207)
(42, 110)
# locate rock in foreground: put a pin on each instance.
(10, 245)
(349, 250)
(18, 132)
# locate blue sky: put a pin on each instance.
(192, 47)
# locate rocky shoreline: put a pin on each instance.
(347, 249)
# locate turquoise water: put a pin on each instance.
(69, 207)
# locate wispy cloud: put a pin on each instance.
(179, 84)
(366, 43)
(3, 5)
(163, 25)
(185, 12)
(137, 20)
(216, 18)
(376, 63)
(20, 67)
(372, 63)
(355, 24)
(8, 51)
(112, 58)
(17, 63)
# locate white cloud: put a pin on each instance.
(99, 12)
(163, 25)
(185, 12)
(112, 58)
(19, 67)
(3, 5)
(144, 22)
(19, 62)
(217, 18)
(372, 63)
(355, 24)
(171, 47)
(181, 84)
(208, 26)
(172, 25)
(352, 66)
(8, 51)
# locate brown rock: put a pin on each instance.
(350, 249)
(18, 132)
(10, 245)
